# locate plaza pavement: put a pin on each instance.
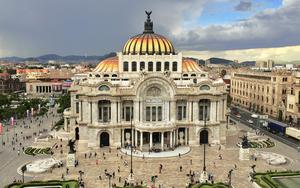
(171, 176)
(9, 158)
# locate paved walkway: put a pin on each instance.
(10, 160)
(115, 161)
(175, 153)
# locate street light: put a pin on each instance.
(109, 179)
(204, 148)
(131, 180)
(229, 176)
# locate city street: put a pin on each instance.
(10, 160)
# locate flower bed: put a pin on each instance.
(262, 144)
(208, 185)
(265, 180)
(54, 183)
(37, 151)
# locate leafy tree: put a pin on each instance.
(64, 102)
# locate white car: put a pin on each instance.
(250, 121)
(239, 116)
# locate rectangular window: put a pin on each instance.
(167, 66)
(174, 66)
(127, 109)
(158, 66)
(142, 65)
(100, 114)
(133, 66)
(153, 113)
(150, 66)
(148, 111)
(201, 112)
(179, 112)
(184, 112)
(105, 114)
(159, 113)
(77, 107)
(125, 66)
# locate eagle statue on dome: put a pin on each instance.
(148, 14)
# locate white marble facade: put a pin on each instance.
(165, 106)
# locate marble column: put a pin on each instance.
(195, 111)
(162, 141)
(136, 138)
(136, 111)
(113, 112)
(95, 112)
(141, 140)
(185, 136)
(171, 139)
(212, 111)
(151, 144)
(123, 139)
(173, 111)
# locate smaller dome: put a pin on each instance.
(108, 65)
(189, 65)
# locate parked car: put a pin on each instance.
(250, 121)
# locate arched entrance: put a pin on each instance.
(104, 139)
(204, 137)
(76, 133)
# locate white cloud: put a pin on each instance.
(270, 28)
(280, 54)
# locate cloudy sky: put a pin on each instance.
(95, 27)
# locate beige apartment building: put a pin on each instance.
(263, 92)
(293, 100)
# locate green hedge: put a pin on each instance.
(64, 184)
(208, 185)
(265, 180)
(37, 151)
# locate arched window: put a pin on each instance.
(125, 66)
(193, 75)
(167, 66)
(204, 109)
(142, 65)
(174, 66)
(158, 66)
(203, 75)
(106, 75)
(133, 66)
(204, 87)
(150, 66)
(104, 88)
(114, 75)
(97, 75)
(90, 75)
(185, 75)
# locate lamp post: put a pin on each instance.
(130, 178)
(229, 176)
(109, 179)
(203, 176)
(204, 148)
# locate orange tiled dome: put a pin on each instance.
(148, 43)
(108, 65)
(189, 65)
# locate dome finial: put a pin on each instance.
(148, 25)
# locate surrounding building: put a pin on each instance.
(165, 97)
(264, 64)
(52, 83)
(263, 92)
(8, 84)
(293, 101)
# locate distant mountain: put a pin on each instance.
(247, 63)
(55, 57)
(220, 61)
